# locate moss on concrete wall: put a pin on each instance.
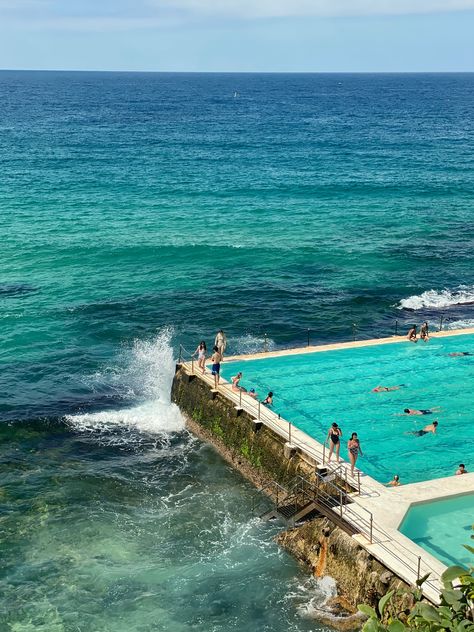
(263, 449)
(259, 455)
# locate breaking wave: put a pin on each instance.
(434, 299)
(142, 375)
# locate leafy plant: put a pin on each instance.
(455, 612)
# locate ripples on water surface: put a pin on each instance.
(137, 204)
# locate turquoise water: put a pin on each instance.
(442, 527)
(314, 390)
(139, 211)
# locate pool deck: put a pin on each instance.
(386, 505)
(343, 345)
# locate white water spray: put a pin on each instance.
(433, 299)
(143, 375)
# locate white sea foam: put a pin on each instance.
(143, 375)
(250, 344)
(313, 594)
(435, 299)
(459, 324)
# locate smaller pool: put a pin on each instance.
(442, 527)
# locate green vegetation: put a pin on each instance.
(455, 612)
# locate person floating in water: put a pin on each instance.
(426, 411)
(236, 382)
(221, 342)
(411, 335)
(395, 482)
(268, 401)
(216, 360)
(383, 389)
(461, 469)
(424, 334)
(354, 449)
(426, 430)
(460, 353)
(333, 437)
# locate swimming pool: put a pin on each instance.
(441, 527)
(314, 389)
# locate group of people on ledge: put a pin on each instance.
(424, 333)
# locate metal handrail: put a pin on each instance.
(265, 416)
(345, 509)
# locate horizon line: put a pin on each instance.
(248, 72)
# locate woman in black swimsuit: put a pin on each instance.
(334, 436)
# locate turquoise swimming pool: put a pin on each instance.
(442, 527)
(313, 390)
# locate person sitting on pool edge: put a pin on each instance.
(426, 430)
(411, 335)
(395, 482)
(236, 382)
(426, 411)
(424, 335)
(461, 470)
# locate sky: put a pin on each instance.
(238, 35)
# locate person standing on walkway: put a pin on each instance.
(221, 342)
(201, 354)
(424, 333)
(334, 439)
(354, 449)
(216, 360)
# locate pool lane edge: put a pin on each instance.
(342, 345)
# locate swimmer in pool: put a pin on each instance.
(384, 389)
(395, 482)
(426, 411)
(252, 393)
(455, 354)
(411, 335)
(268, 399)
(461, 469)
(426, 430)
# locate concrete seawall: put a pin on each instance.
(263, 456)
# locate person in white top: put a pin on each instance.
(201, 354)
(221, 342)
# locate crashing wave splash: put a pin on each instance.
(463, 295)
(142, 375)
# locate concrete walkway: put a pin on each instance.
(377, 511)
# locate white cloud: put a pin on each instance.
(122, 15)
(293, 8)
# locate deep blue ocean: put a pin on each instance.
(143, 211)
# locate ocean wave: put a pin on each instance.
(250, 344)
(143, 375)
(459, 324)
(434, 299)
